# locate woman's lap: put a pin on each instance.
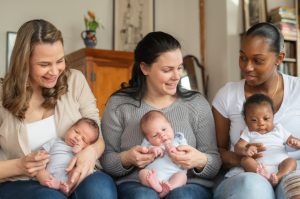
(93, 186)
(294, 178)
(135, 190)
(245, 185)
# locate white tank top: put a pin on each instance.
(40, 132)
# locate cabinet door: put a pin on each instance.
(110, 73)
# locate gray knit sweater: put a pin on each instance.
(121, 131)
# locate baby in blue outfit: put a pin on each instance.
(83, 133)
(159, 137)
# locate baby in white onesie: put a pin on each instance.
(258, 111)
(83, 133)
(159, 136)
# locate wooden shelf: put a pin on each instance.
(290, 59)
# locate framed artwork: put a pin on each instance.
(255, 11)
(133, 19)
(10, 39)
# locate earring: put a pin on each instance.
(277, 64)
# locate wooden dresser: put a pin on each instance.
(104, 70)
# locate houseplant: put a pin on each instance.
(91, 25)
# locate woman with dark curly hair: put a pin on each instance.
(40, 99)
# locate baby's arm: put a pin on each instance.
(77, 148)
(158, 151)
(293, 142)
(241, 149)
(170, 148)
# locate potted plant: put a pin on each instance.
(91, 25)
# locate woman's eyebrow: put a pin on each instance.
(254, 54)
(49, 61)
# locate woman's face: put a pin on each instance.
(256, 62)
(163, 76)
(46, 64)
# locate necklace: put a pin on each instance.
(275, 90)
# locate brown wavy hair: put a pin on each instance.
(16, 85)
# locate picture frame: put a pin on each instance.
(254, 11)
(10, 42)
(133, 19)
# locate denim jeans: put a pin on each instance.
(245, 185)
(279, 190)
(135, 190)
(97, 185)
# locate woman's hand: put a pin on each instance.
(137, 156)
(85, 162)
(31, 163)
(191, 159)
(259, 147)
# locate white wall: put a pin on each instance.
(180, 18)
(223, 25)
(177, 17)
(66, 15)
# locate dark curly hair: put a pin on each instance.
(257, 99)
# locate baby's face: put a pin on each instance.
(81, 134)
(259, 118)
(159, 131)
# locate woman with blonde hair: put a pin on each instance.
(40, 99)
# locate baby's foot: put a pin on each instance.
(52, 183)
(166, 188)
(64, 188)
(153, 181)
(263, 171)
(273, 180)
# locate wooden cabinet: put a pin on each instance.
(104, 70)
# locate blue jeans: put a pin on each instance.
(96, 185)
(279, 190)
(135, 190)
(245, 185)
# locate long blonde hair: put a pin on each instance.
(16, 85)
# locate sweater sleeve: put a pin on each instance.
(206, 140)
(112, 129)
(87, 101)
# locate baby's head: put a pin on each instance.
(258, 113)
(84, 132)
(156, 128)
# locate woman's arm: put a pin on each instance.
(114, 161)
(205, 158)
(86, 159)
(29, 165)
(229, 158)
(241, 148)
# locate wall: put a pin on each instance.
(177, 17)
(66, 15)
(223, 25)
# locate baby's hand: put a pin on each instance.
(252, 150)
(170, 148)
(294, 143)
(158, 151)
(77, 148)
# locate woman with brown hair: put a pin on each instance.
(40, 99)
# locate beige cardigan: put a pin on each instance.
(78, 102)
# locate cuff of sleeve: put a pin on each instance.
(115, 167)
(208, 169)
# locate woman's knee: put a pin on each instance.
(96, 184)
(245, 185)
(135, 190)
(190, 191)
(290, 185)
